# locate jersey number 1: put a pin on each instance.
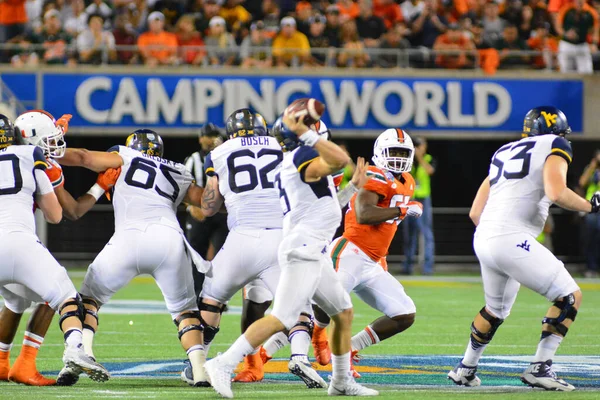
(149, 167)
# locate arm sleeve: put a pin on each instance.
(114, 149)
(42, 183)
(303, 157)
(561, 147)
(39, 161)
(209, 167)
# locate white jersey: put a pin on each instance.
(314, 205)
(149, 188)
(517, 201)
(18, 186)
(246, 168)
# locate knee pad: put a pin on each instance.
(494, 322)
(567, 311)
(79, 313)
(186, 329)
(308, 325)
(94, 314)
(210, 331)
(185, 315)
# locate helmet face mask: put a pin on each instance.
(394, 151)
(287, 139)
(38, 128)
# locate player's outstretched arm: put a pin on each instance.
(46, 199)
(96, 161)
(555, 186)
(369, 213)
(480, 201)
(74, 209)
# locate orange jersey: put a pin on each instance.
(375, 240)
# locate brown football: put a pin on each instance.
(311, 109)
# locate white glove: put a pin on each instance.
(413, 209)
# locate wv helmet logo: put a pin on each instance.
(550, 118)
(524, 246)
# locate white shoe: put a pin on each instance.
(463, 375)
(303, 370)
(349, 388)
(76, 360)
(540, 374)
(67, 377)
(219, 376)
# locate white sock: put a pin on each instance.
(547, 347)
(238, 350)
(74, 337)
(275, 343)
(88, 342)
(320, 324)
(474, 352)
(364, 339)
(341, 367)
(5, 347)
(300, 342)
(32, 340)
(197, 357)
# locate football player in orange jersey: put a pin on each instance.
(371, 223)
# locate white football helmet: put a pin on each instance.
(388, 149)
(38, 128)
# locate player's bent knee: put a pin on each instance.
(305, 323)
(494, 322)
(568, 310)
(344, 318)
(188, 321)
(91, 310)
(77, 312)
(210, 331)
(404, 321)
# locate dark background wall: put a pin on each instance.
(461, 166)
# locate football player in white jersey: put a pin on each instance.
(311, 217)
(37, 274)
(242, 178)
(24, 369)
(147, 239)
(509, 210)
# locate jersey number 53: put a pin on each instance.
(506, 156)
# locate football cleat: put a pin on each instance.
(30, 378)
(300, 366)
(67, 377)
(264, 356)
(219, 376)
(349, 388)
(321, 346)
(76, 359)
(187, 376)
(4, 369)
(354, 359)
(540, 374)
(253, 369)
(463, 375)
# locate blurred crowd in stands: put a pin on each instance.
(455, 34)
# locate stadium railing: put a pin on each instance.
(405, 58)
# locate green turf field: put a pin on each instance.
(145, 357)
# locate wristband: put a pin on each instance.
(310, 138)
(96, 191)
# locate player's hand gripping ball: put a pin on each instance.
(311, 109)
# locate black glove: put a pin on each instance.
(595, 202)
